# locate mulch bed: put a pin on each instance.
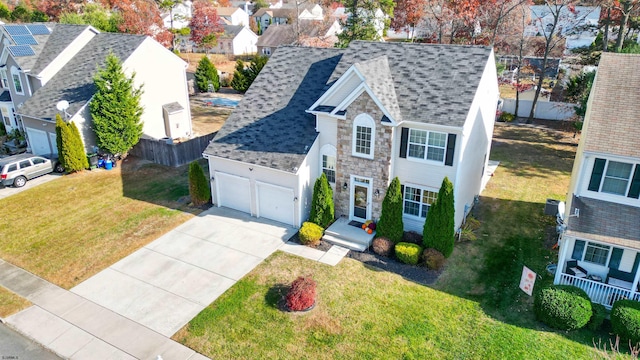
(418, 274)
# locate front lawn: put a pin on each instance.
(11, 303)
(475, 310)
(69, 229)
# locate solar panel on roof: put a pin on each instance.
(24, 40)
(21, 50)
(38, 29)
(17, 30)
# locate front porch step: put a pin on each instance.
(349, 244)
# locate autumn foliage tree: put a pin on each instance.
(407, 14)
(205, 24)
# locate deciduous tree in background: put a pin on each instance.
(205, 24)
(115, 108)
(439, 228)
(407, 14)
(95, 15)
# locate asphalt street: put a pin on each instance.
(14, 346)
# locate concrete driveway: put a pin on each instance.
(168, 282)
(6, 191)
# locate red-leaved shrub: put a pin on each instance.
(302, 294)
(382, 246)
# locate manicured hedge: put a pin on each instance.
(433, 259)
(310, 234)
(408, 253)
(563, 307)
(625, 320)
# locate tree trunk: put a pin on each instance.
(605, 34)
(626, 7)
(495, 28)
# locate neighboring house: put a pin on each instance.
(362, 115)
(312, 33)
(179, 16)
(600, 239)
(234, 15)
(265, 17)
(578, 24)
(236, 40)
(54, 62)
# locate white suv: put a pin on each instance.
(16, 170)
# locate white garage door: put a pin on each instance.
(233, 191)
(39, 141)
(275, 202)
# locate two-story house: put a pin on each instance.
(233, 15)
(54, 64)
(236, 40)
(362, 115)
(600, 239)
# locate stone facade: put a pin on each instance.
(346, 165)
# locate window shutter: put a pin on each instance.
(616, 256)
(635, 264)
(578, 248)
(404, 139)
(596, 174)
(634, 190)
(402, 191)
(451, 146)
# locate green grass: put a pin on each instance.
(474, 311)
(69, 229)
(11, 303)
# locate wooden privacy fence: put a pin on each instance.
(178, 154)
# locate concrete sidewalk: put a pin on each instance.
(130, 309)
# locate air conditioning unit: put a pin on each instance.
(551, 207)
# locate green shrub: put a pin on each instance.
(625, 320)
(563, 307)
(207, 74)
(599, 313)
(71, 153)
(322, 210)
(390, 224)
(199, 189)
(382, 246)
(310, 234)
(439, 228)
(433, 259)
(506, 117)
(408, 253)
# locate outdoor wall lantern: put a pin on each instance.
(377, 193)
(345, 186)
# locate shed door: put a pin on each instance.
(275, 202)
(233, 191)
(39, 141)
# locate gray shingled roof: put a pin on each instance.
(277, 35)
(378, 77)
(27, 63)
(433, 83)
(61, 36)
(276, 13)
(270, 126)
(74, 82)
(605, 218)
(231, 31)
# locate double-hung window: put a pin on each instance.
(417, 201)
(615, 177)
(427, 145)
(597, 253)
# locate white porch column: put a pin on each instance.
(562, 256)
(634, 287)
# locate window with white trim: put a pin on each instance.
(328, 162)
(417, 201)
(616, 178)
(427, 145)
(597, 253)
(5, 79)
(363, 136)
(17, 83)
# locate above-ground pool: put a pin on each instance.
(217, 101)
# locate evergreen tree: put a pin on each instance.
(439, 228)
(206, 74)
(390, 224)
(116, 109)
(244, 77)
(361, 20)
(322, 208)
(71, 153)
(199, 189)
(239, 81)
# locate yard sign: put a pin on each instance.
(527, 280)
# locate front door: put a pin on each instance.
(360, 198)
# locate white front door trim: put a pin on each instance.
(363, 182)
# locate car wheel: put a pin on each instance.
(59, 168)
(20, 181)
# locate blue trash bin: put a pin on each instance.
(100, 163)
(108, 165)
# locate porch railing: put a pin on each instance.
(599, 292)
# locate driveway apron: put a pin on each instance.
(166, 283)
